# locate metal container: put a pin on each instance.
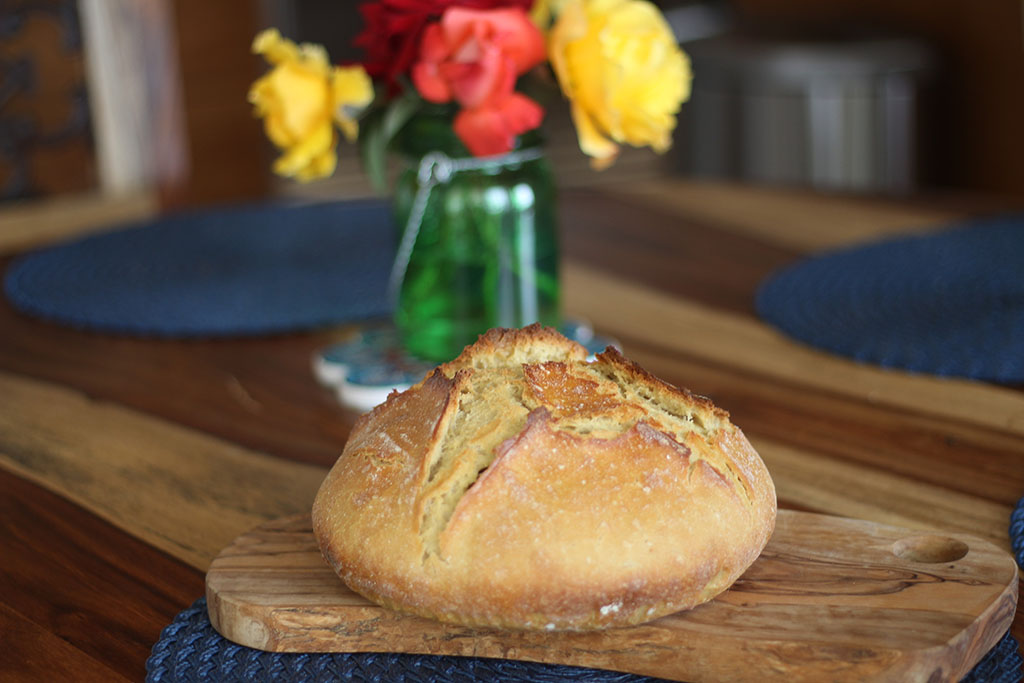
(838, 115)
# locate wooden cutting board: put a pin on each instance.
(829, 599)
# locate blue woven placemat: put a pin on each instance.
(190, 650)
(950, 303)
(231, 272)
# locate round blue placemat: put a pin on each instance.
(950, 303)
(190, 650)
(231, 272)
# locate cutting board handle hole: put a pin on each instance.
(929, 548)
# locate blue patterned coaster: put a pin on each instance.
(190, 650)
(366, 368)
(244, 271)
(950, 303)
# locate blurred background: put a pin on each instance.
(145, 100)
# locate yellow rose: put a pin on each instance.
(623, 72)
(300, 99)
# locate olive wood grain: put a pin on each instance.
(829, 599)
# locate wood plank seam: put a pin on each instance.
(184, 492)
(795, 219)
(833, 486)
(678, 365)
(613, 305)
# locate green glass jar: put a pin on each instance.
(484, 252)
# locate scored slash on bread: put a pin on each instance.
(521, 486)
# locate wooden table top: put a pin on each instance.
(127, 464)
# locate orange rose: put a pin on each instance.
(474, 57)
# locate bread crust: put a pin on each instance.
(520, 486)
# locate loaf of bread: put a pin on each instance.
(520, 486)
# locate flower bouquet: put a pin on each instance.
(457, 88)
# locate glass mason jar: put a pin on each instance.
(485, 252)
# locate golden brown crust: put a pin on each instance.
(520, 486)
(613, 358)
(499, 347)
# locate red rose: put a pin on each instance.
(394, 27)
(474, 58)
(492, 129)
